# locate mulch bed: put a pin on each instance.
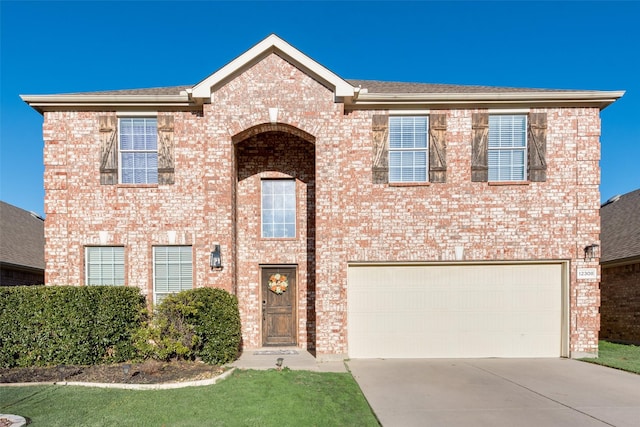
(149, 372)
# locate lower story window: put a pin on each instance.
(172, 270)
(104, 265)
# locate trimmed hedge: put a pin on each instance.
(200, 323)
(83, 325)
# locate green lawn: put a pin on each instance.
(247, 398)
(620, 356)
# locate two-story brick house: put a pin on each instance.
(359, 218)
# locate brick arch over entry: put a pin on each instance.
(264, 153)
(273, 127)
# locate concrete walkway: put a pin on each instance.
(292, 358)
(498, 392)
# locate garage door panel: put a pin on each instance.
(455, 311)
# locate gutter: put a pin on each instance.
(600, 99)
(361, 100)
(42, 103)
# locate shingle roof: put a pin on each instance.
(169, 90)
(376, 86)
(21, 237)
(620, 228)
(373, 86)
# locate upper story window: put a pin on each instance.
(507, 148)
(104, 265)
(279, 208)
(408, 149)
(138, 150)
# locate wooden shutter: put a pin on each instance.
(479, 158)
(165, 150)
(380, 169)
(108, 150)
(537, 146)
(437, 148)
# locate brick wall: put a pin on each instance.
(355, 220)
(17, 277)
(620, 306)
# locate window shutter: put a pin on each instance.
(108, 150)
(165, 150)
(437, 148)
(380, 169)
(479, 163)
(537, 146)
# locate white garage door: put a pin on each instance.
(472, 310)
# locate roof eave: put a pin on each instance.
(620, 261)
(42, 103)
(600, 99)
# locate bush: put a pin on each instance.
(83, 325)
(201, 323)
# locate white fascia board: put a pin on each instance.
(598, 98)
(51, 102)
(84, 99)
(274, 44)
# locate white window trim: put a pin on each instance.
(414, 113)
(525, 149)
(153, 263)
(410, 113)
(139, 115)
(295, 208)
(86, 264)
(136, 114)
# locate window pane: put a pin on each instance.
(278, 208)
(507, 147)
(104, 265)
(138, 150)
(408, 145)
(173, 270)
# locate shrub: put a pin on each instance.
(68, 324)
(200, 323)
(218, 326)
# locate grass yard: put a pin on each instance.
(247, 398)
(620, 356)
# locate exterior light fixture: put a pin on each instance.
(215, 259)
(591, 252)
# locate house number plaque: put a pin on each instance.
(587, 273)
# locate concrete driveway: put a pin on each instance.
(497, 392)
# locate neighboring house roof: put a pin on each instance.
(21, 238)
(353, 93)
(620, 228)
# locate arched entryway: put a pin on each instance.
(275, 235)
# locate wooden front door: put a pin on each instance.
(278, 306)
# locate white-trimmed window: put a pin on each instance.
(172, 270)
(138, 150)
(507, 147)
(279, 208)
(104, 265)
(408, 148)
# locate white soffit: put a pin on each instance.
(274, 44)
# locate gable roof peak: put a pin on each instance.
(273, 44)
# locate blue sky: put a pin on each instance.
(63, 47)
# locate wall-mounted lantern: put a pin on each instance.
(215, 259)
(591, 252)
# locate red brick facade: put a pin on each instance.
(222, 152)
(620, 306)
